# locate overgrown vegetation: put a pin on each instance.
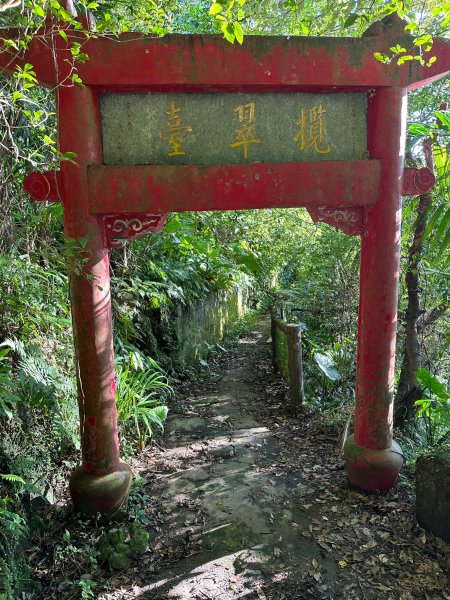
(197, 254)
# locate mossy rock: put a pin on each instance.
(119, 560)
(139, 539)
(120, 547)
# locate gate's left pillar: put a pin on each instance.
(102, 482)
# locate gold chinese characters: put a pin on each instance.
(310, 136)
(175, 130)
(246, 134)
(312, 130)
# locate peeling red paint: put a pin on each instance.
(417, 181)
(134, 62)
(157, 188)
(44, 186)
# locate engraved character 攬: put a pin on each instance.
(312, 132)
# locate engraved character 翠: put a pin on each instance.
(246, 134)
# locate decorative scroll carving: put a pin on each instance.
(43, 186)
(122, 227)
(348, 220)
(417, 181)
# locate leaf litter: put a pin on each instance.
(378, 549)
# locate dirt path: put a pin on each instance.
(249, 530)
(257, 505)
(243, 502)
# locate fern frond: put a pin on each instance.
(12, 478)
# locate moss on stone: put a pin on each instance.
(118, 548)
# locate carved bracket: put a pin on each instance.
(348, 220)
(122, 227)
(44, 186)
(417, 182)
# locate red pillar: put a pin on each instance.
(373, 458)
(102, 482)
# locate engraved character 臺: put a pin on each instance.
(175, 130)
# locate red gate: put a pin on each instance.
(313, 122)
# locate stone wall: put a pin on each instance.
(207, 322)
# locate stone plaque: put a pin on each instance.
(225, 128)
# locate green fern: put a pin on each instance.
(438, 230)
(141, 394)
(12, 478)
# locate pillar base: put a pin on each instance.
(105, 494)
(372, 470)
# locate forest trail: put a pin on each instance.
(248, 503)
(250, 517)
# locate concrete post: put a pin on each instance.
(102, 482)
(373, 458)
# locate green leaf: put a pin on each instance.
(215, 9)
(397, 49)
(12, 478)
(443, 117)
(228, 32)
(249, 261)
(238, 32)
(445, 22)
(411, 26)
(63, 34)
(38, 10)
(419, 129)
(442, 229)
(404, 58)
(434, 219)
(423, 39)
(304, 28)
(429, 382)
(65, 15)
(9, 42)
(351, 19)
(173, 226)
(82, 57)
(326, 365)
(380, 57)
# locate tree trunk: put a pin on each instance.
(409, 390)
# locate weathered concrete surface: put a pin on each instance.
(254, 520)
(137, 128)
(433, 493)
(206, 321)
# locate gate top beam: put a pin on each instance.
(134, 62)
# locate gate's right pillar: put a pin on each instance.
(373, 458)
